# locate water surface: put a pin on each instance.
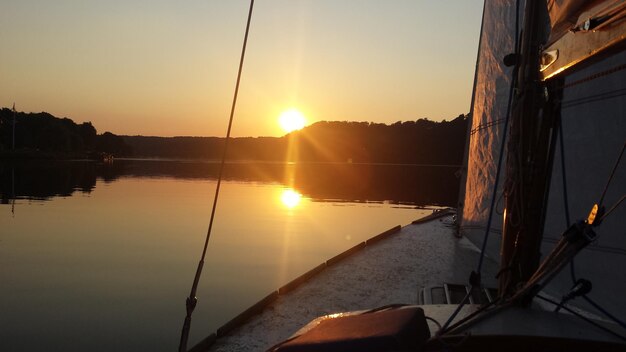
(101, 257)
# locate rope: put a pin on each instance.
(608, 182)
(567, 217)
(613, 207)
(454, 314)
(568, 104)
(564, 174)
(565, 197)
(584, 318)
(481, 313)
(192, 300)
(434, 321)
(604, 311)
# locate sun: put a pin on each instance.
(290, 198)
(291, 120)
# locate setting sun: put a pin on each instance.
(290, 198)
(291, 120)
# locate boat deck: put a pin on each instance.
(386, 272)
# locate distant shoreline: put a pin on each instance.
(42, 136)
(50, 156)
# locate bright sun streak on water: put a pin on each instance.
(290, 198)
(291, 120)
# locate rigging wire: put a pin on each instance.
(604, 311)
(605, 329)
(434, 321)
(191, 301)
(571, 103)
(565, 192)
(561, 254)
(613, 207)
(564, 174)
(481, 312)
(567, 220)
(608, 182)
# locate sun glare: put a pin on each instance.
(291, 120)
(290, 198)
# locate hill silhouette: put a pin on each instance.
(412, 142)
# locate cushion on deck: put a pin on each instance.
(387, 330)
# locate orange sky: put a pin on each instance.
(157, 67)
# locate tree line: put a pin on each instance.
(411, 142)
(42, 133)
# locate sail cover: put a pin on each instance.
(594, 132)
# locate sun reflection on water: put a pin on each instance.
(290, 198)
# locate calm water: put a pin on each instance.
(102, 257)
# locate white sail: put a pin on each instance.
(489, 109)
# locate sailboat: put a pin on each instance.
(541, 196)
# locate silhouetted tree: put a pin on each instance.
(42, 132)
(112, 144)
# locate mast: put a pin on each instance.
(529, 155)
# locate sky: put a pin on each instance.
(168, 68)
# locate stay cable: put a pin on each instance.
(192, 300)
